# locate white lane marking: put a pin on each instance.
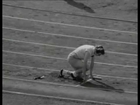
(45, 69)
(38, 43)
(69, 36)
(79, 15)
(56, 97)
(66, 47)
(65, 59)
(52, 83)
(71, 25)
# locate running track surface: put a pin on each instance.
(38, 40)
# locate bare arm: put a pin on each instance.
(91, 67)
(85, 64)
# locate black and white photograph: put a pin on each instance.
(69, 52)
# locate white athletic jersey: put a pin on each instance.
(80, 51)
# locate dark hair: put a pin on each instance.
(100, 49)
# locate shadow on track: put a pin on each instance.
(80, 6)
(101, 85)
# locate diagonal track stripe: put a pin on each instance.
(64, 46)
(44, 69)
(65, 59)
(71, 25)
(80, 15)
(56, 97)
(70, 36)
(52, 83)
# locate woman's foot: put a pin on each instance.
(61, 74)
(78, 78)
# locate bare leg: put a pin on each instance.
(76, 75)
(67, 72)
(76, 64)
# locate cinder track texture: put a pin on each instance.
(65, 91)
(38, 36)
(121, 10)
(32, 99)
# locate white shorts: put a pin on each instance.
(76, 62)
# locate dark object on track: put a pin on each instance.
(40, 77)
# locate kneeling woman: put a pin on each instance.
(78, 59)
